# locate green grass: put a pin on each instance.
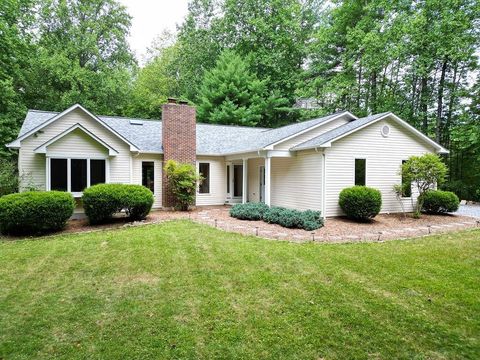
(183, 290)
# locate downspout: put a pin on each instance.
(324, 185)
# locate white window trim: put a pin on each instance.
(69, 161)
(366, 169)
(210, 174)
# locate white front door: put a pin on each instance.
(262, 184)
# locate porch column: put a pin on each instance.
(268, 170)
(245, 181)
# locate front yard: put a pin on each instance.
(185, 290)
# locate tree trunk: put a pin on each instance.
(374, 92)
(359, 91)
(450, 105)
(441, 86)
(423, 103)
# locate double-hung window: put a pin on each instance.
(75, 174)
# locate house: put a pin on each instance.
(303, 165)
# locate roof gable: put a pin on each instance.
(30, 127)
(326, 139)
(42, 149)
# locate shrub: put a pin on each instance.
(440, 202)
(35, 212)
(248, 211)
(424, 172)
(183, 180)
(463, 190)
(308, 220)
(360, 202)
(102, 201)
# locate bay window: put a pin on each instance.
(75, 174)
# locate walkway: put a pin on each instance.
(472, 210)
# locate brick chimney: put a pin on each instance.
(179, 139)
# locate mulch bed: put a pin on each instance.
(338, 229)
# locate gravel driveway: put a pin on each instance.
(469, 210)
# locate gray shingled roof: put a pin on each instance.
(337, 132)
(211, 139)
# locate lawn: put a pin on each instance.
(184, 290)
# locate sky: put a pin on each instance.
(150, 18)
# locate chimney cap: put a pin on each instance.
(172, 100)
(183, 102)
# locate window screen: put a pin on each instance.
(360, 171)
(204, 169)
(148, 175)
(78, 174)
(97, 172)
(58, 174)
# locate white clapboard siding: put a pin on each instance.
(32, 166)
(297, 181)
(77, 143)
(383, 156)
(254, 179)
(137, 174)
(218, 182)
(311, 134)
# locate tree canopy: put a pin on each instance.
(247, 62)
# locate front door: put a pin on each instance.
(262, 184)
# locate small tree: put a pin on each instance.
(425, 172)
(183, 180)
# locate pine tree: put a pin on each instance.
(231, 94)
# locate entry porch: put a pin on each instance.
(249, 176)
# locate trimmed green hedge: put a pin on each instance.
(440, 202)
(308, 220)
(360, 202)
(102, 201)
(248, 211)
(35, 212)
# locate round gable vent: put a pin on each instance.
(385, 130)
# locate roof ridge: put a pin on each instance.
(305, 121)
(44, 111)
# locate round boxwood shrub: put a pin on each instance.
(360, 202)
(248, 211)
(102, 201)
(440, 202)
(35, 212)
